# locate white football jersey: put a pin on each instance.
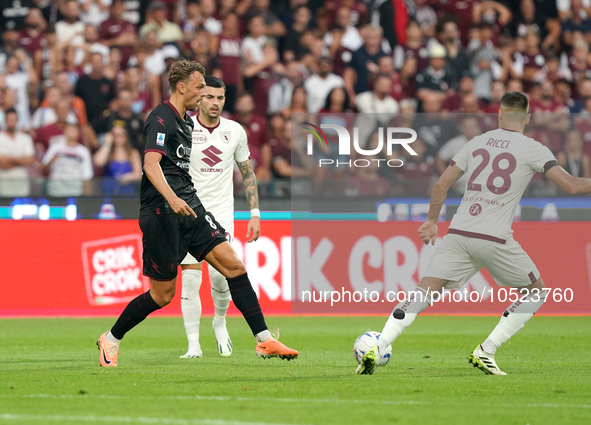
(213, 154)
(499, 165)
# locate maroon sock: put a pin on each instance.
(247, 302)
(137, 310)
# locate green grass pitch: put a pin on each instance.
(49, 374)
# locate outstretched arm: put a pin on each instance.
(428, 231)
(252, 197)
(571, 185)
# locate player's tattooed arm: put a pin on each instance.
(250, 184)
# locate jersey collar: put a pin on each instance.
(173, 108)
(210, 129)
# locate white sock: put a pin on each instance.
(402, 316)
(191, 303)
(220, 293)
(263, 336)
(513, 320)
(109, 337)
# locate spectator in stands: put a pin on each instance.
(426, 17)
(551, 70)
(349, 38)
(515, 84)
(32, 36)
(273, 27)
(572, 158)
(94, 12)
(123, 116)
(95, 90)
(264, 75)
(448, 35)
(201, 51)
(483, 55)
(492, 13)
(497, 91)
(16, 153)
(412, 48)
(229, 44)
(139, 89)
(377, 105)
(386, 66)
(470, 128)
(299, 102)
(10, 37)
(431, 127)
(577, 21)
(550, 116)
(209, 16)
(280, 93)
(115, 31)
(531, 19)
(69, 166)
(288, 160)
(23, 82)
(256, 127)
(54, 133)
(8, 101)
(364, 61)
(292, 49)
(434, 80)
(453, 101)
(121, 163)
(418, 172)
(532, 60)
(45, 115)
(46, 59)
(319, 85)
(584, 92)
(166, 31)
(578, 62)
(71, 28)
(78, 106)
(276, 127)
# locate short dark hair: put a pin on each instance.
(215, 82)
(181, 71)
(514, 101)
(10, 111)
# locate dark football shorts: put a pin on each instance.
(168, 237)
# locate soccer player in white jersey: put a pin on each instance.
(217, 144)
(500, 165)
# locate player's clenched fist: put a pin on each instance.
(428, 232)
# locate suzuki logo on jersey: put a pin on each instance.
(212, 156)
(225, 135)
(344, 143)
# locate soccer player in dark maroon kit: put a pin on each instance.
(174, 222)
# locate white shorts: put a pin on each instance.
(228, 226)
(458, 258)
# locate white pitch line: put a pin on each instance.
(299, 400)
(125, 420)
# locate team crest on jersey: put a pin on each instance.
(226, 136)
(160, 139)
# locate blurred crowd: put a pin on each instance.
(78, 78)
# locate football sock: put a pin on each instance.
(191, 303)
(513, 319)
(112, 339)
(220, 293)
(136, 311)
(263, 336)
(246, 301)
(402, 316)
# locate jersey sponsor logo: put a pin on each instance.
(226, 136)
(475, 209)
(199, 138)
(160, 139)
(183, 152)
(160, 120)
(112, 270)
(212, 156)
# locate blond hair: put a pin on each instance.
(182, 70)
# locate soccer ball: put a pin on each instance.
(365, 342)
